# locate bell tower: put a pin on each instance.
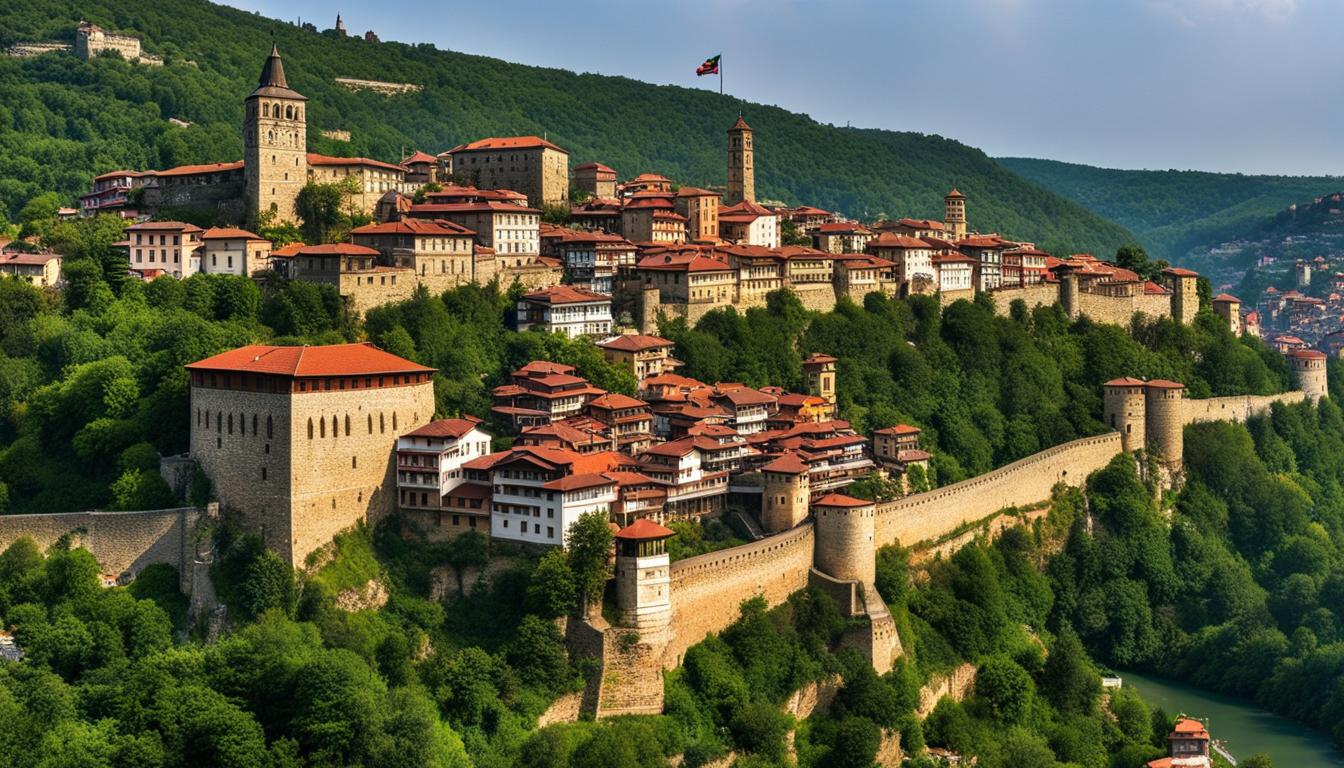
(275, 143)
(741, 166)
(954, 218)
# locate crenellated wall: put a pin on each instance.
(708, 589)
(929, 515)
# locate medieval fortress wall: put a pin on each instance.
(122, 542)
(1237, 407)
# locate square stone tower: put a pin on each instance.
(741, 165)
(275, 143)
(1184, 284)
(954, 217)
(300, 442)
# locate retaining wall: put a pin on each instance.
(929, 515)
(122, 542)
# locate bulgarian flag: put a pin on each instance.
(710, 67)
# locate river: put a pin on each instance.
(1243, 727)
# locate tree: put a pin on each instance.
(268, 582)
(551, 590)
(321, 209)
(1068, 679)
(588, 542)
(470, 550)
(537, 651)
(759, 728)
(1005, 688)
(855, 744)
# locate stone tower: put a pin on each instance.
(954, 217)
(340, 26)
(1308, 369)
(844, 538)
(1164, 421)
(741, 166)
(819, 370)
(785, 493)
(1228, 307)
(275, 144)
(643, 580)
(1124, 410)
(1184, 285)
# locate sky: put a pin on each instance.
(1247, 86)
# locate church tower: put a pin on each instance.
(275, 144)
(955, 217)
(741, 167)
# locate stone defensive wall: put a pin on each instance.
(1033, 295)
(1237, 407)
(122, 542)
(924, 516)
(708, 589)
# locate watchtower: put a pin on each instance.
(275, 143)
(741, 166)
(644, 580)
(1184, 284)
(1308, 370)
(1124, 409)
(1164, 422)
(1228, 307)
(819, 370)
(844, 547)
(954, 218)
(785, 492)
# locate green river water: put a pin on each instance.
(1243, 727)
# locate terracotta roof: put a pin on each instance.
(787, 464)
(121, 174)
(188, 170)
(480, 207)
(1187, 726)
(1126, 381)
(897, 429)
(336, 249)
(921, 223)
(683, 262)
(415, 227)
(1227, 297)
(33, 259)
(841, 227)
(841, 500)
(420, 157)
(740, 125)
(163, 226)
(1307, 354)
(616, 400)
(331, 360)
(644, 529)
(454, 428)
(696, 192)
(819, 357)
(230, 233)
(1165, 384)
(316, 159)
(511, 142)
(1180, 272)
(634, 342)
(594, 167)
(579, 482)
(565, 294)
(893, 240)
(650, 177)
(954, 193)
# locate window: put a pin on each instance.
(270, 431)
(321, 427)
(347, 425)
(354, 462)
(263, 473)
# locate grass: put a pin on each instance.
(353, 563)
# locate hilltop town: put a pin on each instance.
(303, 448)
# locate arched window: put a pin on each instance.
(254, 425)
(382, 427)
(394, 420)
(321, 427)
(335, 427)
(230, 423)
(310, 428)
(370, 423)
(265, 110)
(347, 425)
(270, 428)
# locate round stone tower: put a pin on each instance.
(1308, 368)
(644, 579)
(844, 538)
(1123, 409)
(785, 492)
(1165, 421)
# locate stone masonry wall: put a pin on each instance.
(929, 515)
(1237, 407)
(708, 589)
(1033, 295)
(1119, 310)
(122, 542)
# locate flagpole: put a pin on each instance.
(720, 74)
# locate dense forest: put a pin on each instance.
(63, 121)
(1175, 212)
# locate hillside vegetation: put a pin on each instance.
(63, 120)
(1174, 212)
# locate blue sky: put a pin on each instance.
(1225, 85)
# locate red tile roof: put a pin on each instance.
(1126, 381)
(644, 529)
(480, 207)
(511, 142)
(893, 240)
(1180, 272)
(616, 401)
(230, 233)
(454, 428)
(163, 226)
(189, 170)
(1307, 354)
(331, 360)
(634, 342)
(316, 159)
(787, 464)
(1165, 384)
(954, 193)
(897, 429)
(415, 227)
(594, 167)
(841, 500)
(1227, 297)
(565, 294)
(336, 249)
(420, 157)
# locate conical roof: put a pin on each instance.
(272, 81)
(740, 125)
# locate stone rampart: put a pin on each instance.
(924, 516)
(1032, 295)
(707, 590)
(1119, 310)
(122, 542)
(1237, 407)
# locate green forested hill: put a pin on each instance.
(1173, 212)
(62, 120)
